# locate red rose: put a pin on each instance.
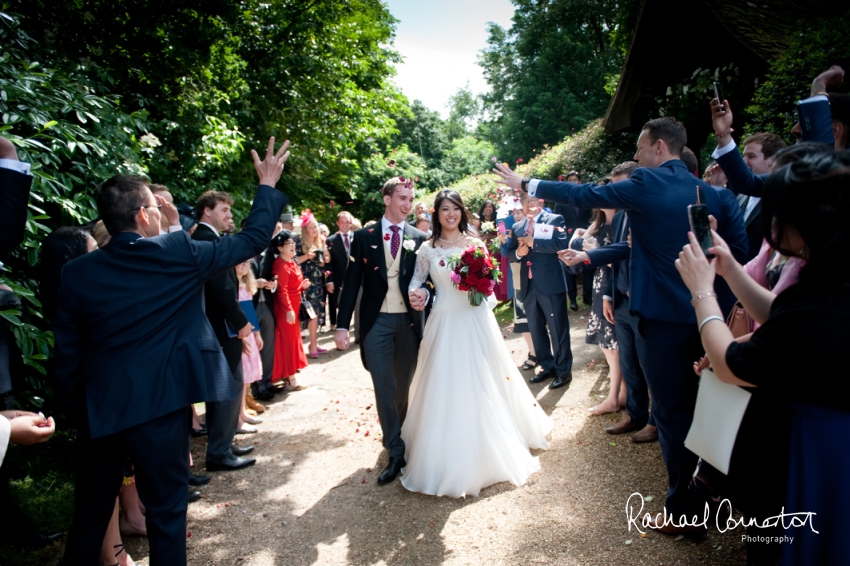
(483, 285)
(386, 237)
(471, 279)
(560, 177)
(463, 287)
(477, 264)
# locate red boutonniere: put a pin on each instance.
(386, 237)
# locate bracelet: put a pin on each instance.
(726, 133)
(702, 296)
(821, 92)
(709, 319)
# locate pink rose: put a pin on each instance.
(455, 277)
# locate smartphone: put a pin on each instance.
(698, 217)
(501, 226)
(717, 95)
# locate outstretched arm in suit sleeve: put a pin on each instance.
(741, 180)
(623, 195)
(816, 120)
(351, 285)
(609, 254)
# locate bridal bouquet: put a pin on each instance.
(476, 272)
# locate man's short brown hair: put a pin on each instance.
(771, 144)
(158, 188)
(390, 186)
(625, 168)
(210, 199)
(670, 130)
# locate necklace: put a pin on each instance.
(462, 236)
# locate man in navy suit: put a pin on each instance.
(134, 351)
(535, 245)
(616, 309)
(657, 197)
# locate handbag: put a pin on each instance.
(739, 322)
(307, 312)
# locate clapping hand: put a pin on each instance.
(271, 168)
(418, 298)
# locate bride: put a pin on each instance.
(471, 418)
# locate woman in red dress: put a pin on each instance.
(289, 354)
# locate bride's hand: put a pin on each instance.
(418, 298)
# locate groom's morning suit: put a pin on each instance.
(390, 330)
(543, 290)
(133, 351)
(657, 200)
(221, 302)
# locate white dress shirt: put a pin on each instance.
(15, 165)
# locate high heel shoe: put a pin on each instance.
(247, 429)
(321, 350)
(253, 421)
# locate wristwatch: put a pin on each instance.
(524, 185)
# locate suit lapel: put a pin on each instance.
(376, 245)
(754, 213)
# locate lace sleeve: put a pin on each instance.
(423, 265)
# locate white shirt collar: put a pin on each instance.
(211, 227)
(385, 225)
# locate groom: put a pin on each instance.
(383, 257)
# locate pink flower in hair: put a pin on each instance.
(307, 217)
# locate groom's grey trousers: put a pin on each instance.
(391, 348)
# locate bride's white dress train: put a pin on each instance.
(471, 418)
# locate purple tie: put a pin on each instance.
(396, 241)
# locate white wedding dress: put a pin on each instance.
(471, 418)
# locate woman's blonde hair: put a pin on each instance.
(308, 244)
(248, 279)
(100, 235)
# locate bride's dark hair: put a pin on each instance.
(448, 194)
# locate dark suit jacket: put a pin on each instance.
(816, 122)
(14, 195)
(657, 200)
(131, 336)
(368, 267)
(545, 266)
(221, 298)
(339, 260)
(741, 180)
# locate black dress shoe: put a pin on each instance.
(561, 381)
(196, 432)
(198, 480)
(235, 463)
(573, 306)
(194, 496)
(391, 471)
(543, 376)
(242, 450)
(266, 395)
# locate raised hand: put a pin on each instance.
(572, 257)
(721, 119)
(828, 80)
(508, 178)
(169, 211)
(271, 168)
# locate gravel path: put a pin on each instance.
(313, 498)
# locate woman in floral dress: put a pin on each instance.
(312, 255)
(599, 330)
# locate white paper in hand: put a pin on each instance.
(717, 418)
(543, 231)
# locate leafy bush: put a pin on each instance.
(813, 49)
(73, 137)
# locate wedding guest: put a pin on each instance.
(312, 256)
(324, 231)
(520, 318)
(600, 326)
(100, 235)
(421, 208)
(287, 222)
(808, 430)
(423, 224)
(339, 251)
(356, 224)
(289, 351)
(657, 196)
(60, 247)
(222, 310)
(15, 183)
(154, 349)
(487, 211)
(252, 366)
(714, 175)
(690, 160)
(162, 191)
(262, 389)
(474, 222)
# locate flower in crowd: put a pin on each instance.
(386, 237)
(494, 160)
(560, 177)
(391, 163)
(409, 245)
(333, 204)
(520, 160)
